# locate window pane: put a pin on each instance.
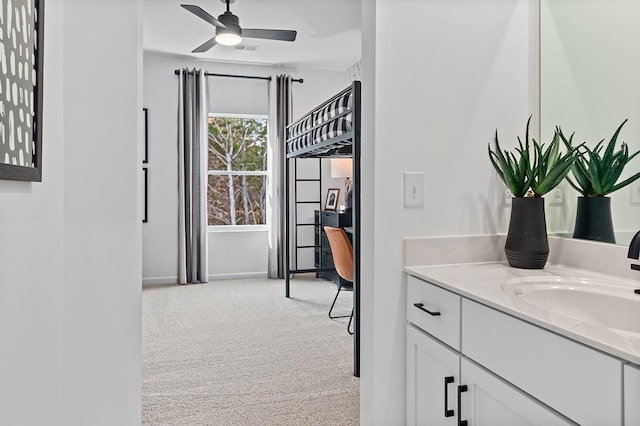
(237, 143)
(246, 207)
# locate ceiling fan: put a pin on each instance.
(229, 32)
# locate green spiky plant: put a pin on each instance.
(596, 174)
(534, 178)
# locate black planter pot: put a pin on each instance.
(527, 246)
(593, 220)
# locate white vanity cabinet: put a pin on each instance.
(433, 369)
(631, 395)
(468, 362)
(444, 388)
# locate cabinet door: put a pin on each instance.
(429, 392)
(489, 401)
(631, 395)
(549, 367)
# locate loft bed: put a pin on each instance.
(332, 129)
(328, 130)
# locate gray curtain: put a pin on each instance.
(280, 110)
(192, 177)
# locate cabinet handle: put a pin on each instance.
(461, 388)
(447, 381)
(423, 309)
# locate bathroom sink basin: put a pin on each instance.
(597, 302)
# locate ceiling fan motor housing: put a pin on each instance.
(228, 31)
(230, 21)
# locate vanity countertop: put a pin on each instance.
(482, 282)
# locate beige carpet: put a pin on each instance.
(239, 353)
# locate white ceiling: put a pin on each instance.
(328, 31)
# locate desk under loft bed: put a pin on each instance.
(331, 130)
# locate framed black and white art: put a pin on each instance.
(331, 202)
(21, 74)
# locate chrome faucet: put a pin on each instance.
(634, 251)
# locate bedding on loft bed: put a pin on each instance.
(325, 131)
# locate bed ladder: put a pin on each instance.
(297, 225)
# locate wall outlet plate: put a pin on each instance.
(506, 199)
(556, 195)
(635, 192)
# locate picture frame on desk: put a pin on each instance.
(331, 203)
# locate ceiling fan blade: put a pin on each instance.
(205, 46)
(283, 35)
(200, 13)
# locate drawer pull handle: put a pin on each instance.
(461, 388)
(447, 381)
(423, 309)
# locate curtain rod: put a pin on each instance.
(252, 77)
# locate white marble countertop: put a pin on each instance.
(481, 282)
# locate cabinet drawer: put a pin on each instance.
(330, 219)
(581, 383)
(445, 323)
(335, 219)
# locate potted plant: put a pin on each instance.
(529, 177)
(596, 174)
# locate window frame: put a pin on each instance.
(240, 228)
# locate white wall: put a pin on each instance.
(70, 246)
(227, 96)
(460, 71)
(590, 84)
(31, 258)
(102, 224)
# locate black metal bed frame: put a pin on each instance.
(334, 147)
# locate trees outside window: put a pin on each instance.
(237, 180)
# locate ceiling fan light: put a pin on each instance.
(228, 38)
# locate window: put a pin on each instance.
(237, 181)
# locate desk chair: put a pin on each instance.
(342, 253)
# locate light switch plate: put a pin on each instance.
(413, 189)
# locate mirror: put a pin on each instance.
(590, 83)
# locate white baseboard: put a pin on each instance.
(150, 281)
(159, 280)
(237, 276)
